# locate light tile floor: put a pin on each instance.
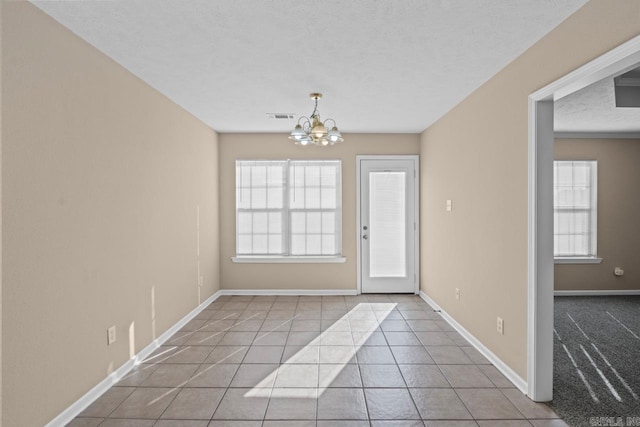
(368, 360)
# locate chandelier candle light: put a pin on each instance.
(313, 131)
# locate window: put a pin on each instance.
(575, 210)
(288, 208)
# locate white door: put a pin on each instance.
(387, 224)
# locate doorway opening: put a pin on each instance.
(540, 208)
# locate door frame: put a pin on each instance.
(540, 208)
(416, 195)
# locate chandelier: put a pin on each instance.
(313, 131)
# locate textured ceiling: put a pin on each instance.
(383, 65)
(593, 109)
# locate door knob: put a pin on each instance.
(365, 237)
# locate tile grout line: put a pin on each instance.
(264, 416)
(234, 374)
(404, 379)
(179, 387)
(230, 381)
(364, 395)
(198, 368)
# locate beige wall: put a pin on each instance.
(278, 146)
(476, 155)
(618, 207)
(102, 180)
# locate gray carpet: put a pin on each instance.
(597, 360)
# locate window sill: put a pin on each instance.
(577, 260)
(288, 259)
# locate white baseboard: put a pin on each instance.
(511, 375)
(596, 293)
(81, 404)
(290, 292)
(598, 135)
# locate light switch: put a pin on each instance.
(448, 205)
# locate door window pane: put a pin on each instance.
(387, 247)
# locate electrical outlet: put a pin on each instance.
(111, 335)
(500, 326)
(458, 294)
(449, 206)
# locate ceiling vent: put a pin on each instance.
(627, 89)
(281, 116)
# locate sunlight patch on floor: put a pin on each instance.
(604, 379)
(367, 316)
(581, 375)
(624, 326)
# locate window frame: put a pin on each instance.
(286, 211)
(592, 210)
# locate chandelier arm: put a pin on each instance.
(306, 124)
(326, 120)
